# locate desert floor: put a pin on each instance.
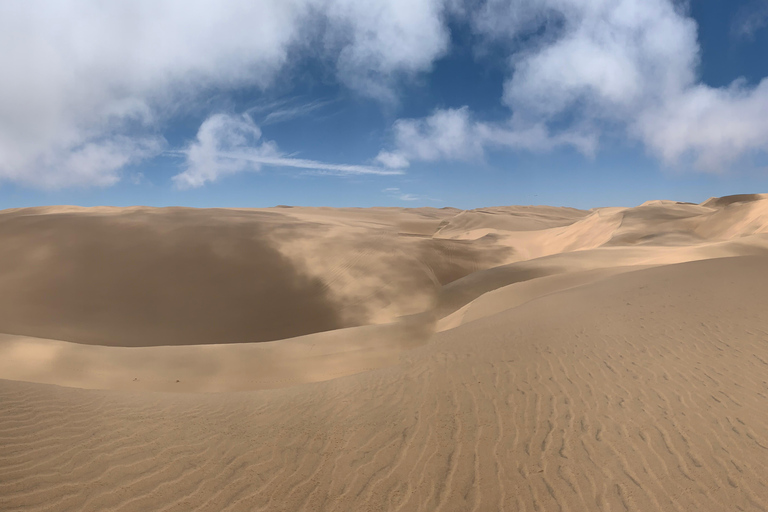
(510, 358)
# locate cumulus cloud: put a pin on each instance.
(92, 83)
(377, 41)
(227, 144)
(445, 135)
(207, 158)
(453, 134)
(89, 86)
(711, 126)
(581, 71)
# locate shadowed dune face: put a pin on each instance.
(382, 265)
(142, 279)
(178, 276)
(449, 260)
(718, 202)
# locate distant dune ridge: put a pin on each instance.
(525, 358)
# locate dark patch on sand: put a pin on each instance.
(154, 277)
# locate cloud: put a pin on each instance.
(445, 135)
(452, 134)
(96, 162)
(712, 126)
(396, 193)
(581, 72)
(88, 87)
(383, 39)
(750, 19)
(218, 136)
(82, 77)
(228, 144)
(288, 113)
(393, 160)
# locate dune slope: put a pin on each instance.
(644, 391)
(511, 358)
(180, 276)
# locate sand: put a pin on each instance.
(509, 358)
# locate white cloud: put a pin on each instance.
(287, 113)
(452, 134)
(98, 162)
(392, 160)
(445, 135)
(88, 86)
(220, 135)
(78, 72)
(229, 144)
(396, 193)
(714, 127)
(750, 19)
(95, 162)
(81, 74)
(379, 40)
(581, 71)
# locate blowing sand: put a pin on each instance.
(511, 358)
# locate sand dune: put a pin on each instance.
(175, 276)
(511, 358)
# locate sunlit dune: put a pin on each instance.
(523, 358)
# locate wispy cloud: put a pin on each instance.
(750, 18)
(286, 114)
(228, 144)
(301, 163)
(396, 193)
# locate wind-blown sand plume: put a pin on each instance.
(625, 372)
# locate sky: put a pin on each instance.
(463, 103)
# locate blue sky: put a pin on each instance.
(463, 103)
